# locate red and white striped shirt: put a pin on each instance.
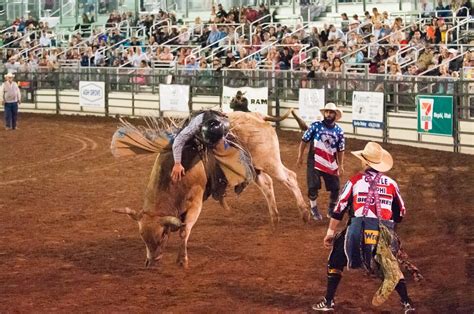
(356, 190)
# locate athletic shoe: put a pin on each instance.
(408, 307)
(323, 306)
(315, 213)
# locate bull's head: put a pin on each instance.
(154, 231)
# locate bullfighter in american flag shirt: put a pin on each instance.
(374, 205)
(325, 157)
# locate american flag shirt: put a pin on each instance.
(326, 142)
(355, 192)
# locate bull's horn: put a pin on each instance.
(303, 126)
(280, 118)
(130, 212)
(171, 221)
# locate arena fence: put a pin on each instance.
(135, 92)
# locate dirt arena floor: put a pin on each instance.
(63, 250)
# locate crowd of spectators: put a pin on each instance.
(388, 45)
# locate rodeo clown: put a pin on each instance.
(374, 204)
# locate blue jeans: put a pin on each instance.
(11, 113)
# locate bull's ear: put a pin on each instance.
(130, 212)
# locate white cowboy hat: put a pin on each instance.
(9, 74)
(375, 157)
(332, 107)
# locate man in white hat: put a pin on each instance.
(373, 201)
(325, 157)
(11, 98)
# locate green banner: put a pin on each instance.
(435, 114)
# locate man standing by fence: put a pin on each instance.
(11, 98)
(325, 157)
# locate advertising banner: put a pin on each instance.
(257, 98)
(310, 102)
(367, 110)
(174, 97)
(92, 94)
(435, 114)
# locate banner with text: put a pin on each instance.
(435, 114)
(92, 94)
(367, 110)
(310, 102)
(257, 98)
(174, 97)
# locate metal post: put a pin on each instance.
(106, 91)
(56, 78)
(456, 117)
(186, 8)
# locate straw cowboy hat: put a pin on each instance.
(332, 107)
(9, 74)
(375, 157)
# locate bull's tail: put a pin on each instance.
(131, 140)
(303, 126)
(280, 118)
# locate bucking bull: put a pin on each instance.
(170, 207)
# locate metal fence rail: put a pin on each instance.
(51, 90)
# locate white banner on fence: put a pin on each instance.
(310, 102)
(174, 97)
(367, 110)
(92, 94)
(257, 97)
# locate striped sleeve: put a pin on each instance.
(344, 201)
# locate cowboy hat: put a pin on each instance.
(332, 107)
(9, 74)
(375, 157)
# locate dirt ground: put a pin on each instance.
(63, 250)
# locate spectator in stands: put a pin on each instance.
(334, 35)
(417, 41)
(441, 7)
(376, 17)
(337, 65)
(426, 8)
(166, 55)
(141, 74)
(285, 58)
(12, 65)
(425, 59)
(455, 64)
(214, 36)
(378, 59)
(221, 13)
(378, 31)
(216, 64)
(344, 23)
